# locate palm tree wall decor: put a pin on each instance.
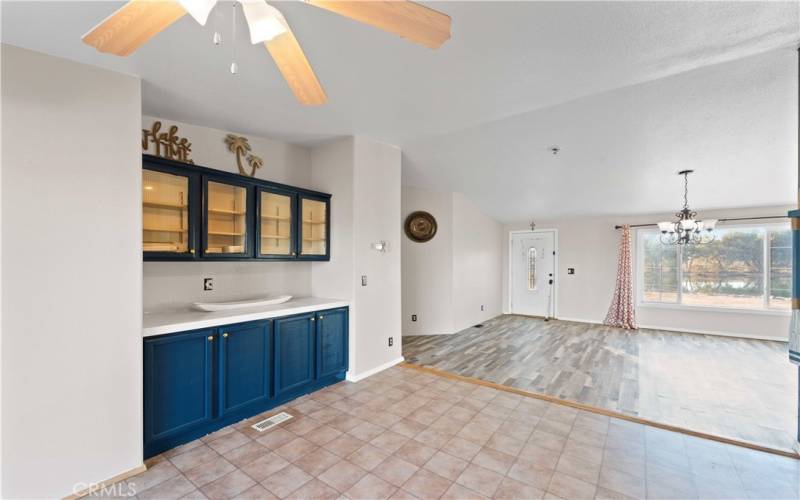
(240, 146)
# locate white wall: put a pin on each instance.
(447, 279)
(590, 245)
(71, 267)
(332, 172)
(477, 261)
(174, 285)
(377, 218)
(428, 267)
(364, 178)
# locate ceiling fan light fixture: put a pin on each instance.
(198, 9)
(265, 21)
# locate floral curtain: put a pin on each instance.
(621, 313)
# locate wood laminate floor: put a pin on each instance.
(737, 388)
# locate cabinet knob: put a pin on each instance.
(191, 251)
(312, 319)
(321, 317)
(225, 334)
(210, 338)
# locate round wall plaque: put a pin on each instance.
(420, 226)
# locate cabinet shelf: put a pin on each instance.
(165, 230)
(225, 233)
(222, 211)
(313, 239)
(275, 217)
(274, 237)
(314, 222)
(164, 204)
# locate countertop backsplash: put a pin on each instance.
(170, 286)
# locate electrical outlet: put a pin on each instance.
(364, 280)
(413, 317)
(391, 341)
(208, 284)
(570, 270)
(481, 307)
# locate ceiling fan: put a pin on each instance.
(138, 21)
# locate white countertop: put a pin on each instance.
(160, 323)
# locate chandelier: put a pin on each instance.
(687, 229)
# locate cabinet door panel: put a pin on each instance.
(244, 366)
(314, 226)
(227, 219)
(276, 224)
(332, 328)
(294, 353)
(168, 208)
(178, 382)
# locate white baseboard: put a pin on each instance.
(718, 334)
(688, 330)
(580, 320)
(361, 376)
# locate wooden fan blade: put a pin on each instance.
(132, 25)
(296, 69)
(410, 20)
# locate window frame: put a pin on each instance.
(764, 310)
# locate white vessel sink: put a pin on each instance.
(241, 304)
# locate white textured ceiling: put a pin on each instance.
(734, 123)
(505, 60)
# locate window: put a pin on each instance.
(532, 268)
(745, 267)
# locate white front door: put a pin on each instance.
(533, 273)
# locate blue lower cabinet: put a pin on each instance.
(244, 366)
(200, 381)
(178, 384)
(295, 359)
(332, 341)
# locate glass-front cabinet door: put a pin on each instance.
(167, 214)
(314, 228)
(227, 221)
(275, 223)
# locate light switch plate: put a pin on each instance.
(364, 280)
(208, 284)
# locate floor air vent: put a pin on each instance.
(271, 422)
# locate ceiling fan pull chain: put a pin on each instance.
(234, 66)
(217, 38)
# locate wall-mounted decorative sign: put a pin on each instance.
(241, 148)
(167, 144)
(420, 226)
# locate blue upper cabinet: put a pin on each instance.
(170, 200)
(178, 383)
(276, 224)
(332, 341)
(315, 228)
(245, 376)
(227, 219)
(197, 213)
(295, 358)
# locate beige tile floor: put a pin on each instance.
(405, 434)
